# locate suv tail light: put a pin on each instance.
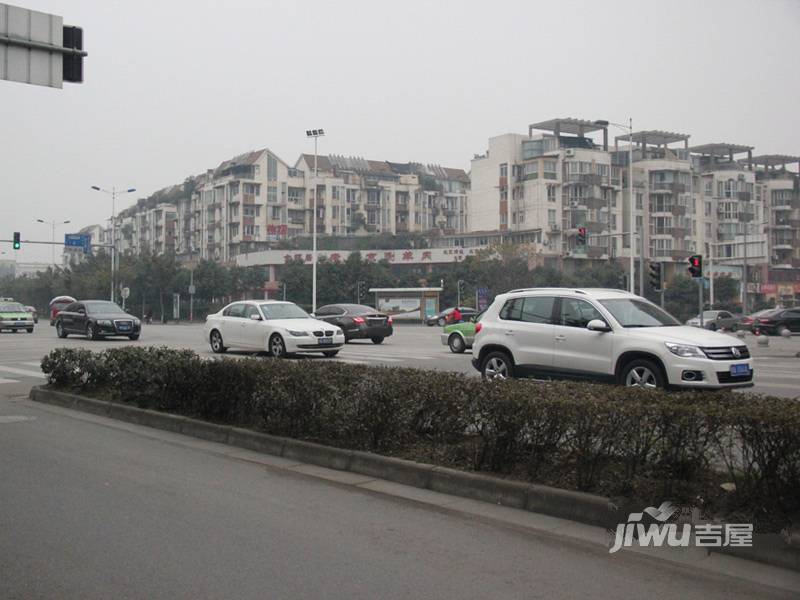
(358, 320)
(478, 326)
(389, 320)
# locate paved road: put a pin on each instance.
(414, 346)
(93, 508)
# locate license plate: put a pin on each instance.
(124, 327)
(323, 341)
(740, 370)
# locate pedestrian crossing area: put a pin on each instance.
(11, 373)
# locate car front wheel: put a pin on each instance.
(497, 365)
(217, 347)
(643, 374)
(277, 347)
(91, 332)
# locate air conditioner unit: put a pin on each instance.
(569, 152)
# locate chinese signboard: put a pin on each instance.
(410, 256)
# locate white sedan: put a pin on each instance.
(280, 328)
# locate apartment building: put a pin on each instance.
(550, 184)
(353, 195)
(147, 227)
(666, 214)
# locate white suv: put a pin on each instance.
(605, 335)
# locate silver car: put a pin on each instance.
(716, 320)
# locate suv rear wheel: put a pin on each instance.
(497, 365)
(644, 374)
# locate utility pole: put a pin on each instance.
(113, 193)
(744, 266)
(316, 134)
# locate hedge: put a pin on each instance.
(643, 446)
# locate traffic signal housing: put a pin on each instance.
(581, 236)
(17, 244)
(655, 276)
(696, 266)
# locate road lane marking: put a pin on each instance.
(8, 380)
(32, 364)
(26, 372)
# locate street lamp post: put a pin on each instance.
(316, 134)
(113, 193)
(631, 201)
(53, 235)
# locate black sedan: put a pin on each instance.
(357, 321)
(780, 321)
(97, 319)
(443, 318)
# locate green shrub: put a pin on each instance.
(641, 445)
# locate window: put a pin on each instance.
(551, 217)
(276, 213)
(234, 310)
(272, 168)
(639, 200)
(272, 193)
(538, 309)
(550, 169)
(504, 170)
(551, 193)
(577, 313)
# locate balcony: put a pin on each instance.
(401, 227)
(249, 198)
(680, 255)
(744, 196)
(667, 187)
(596, 203)
(678, 210)
(679, 232)
(583, 179)
(595, 227)
(593, 251)
(783, 245)
(297, 221)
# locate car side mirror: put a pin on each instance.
(312, 315)
(255, 317)
(81, 311)
(598, 325)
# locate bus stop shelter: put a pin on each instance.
(407, 304)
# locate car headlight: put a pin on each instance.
(685, 351)
(297, 333)
(338, 332)
(137, 322)
(105, 322)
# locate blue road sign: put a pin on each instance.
(79, 240)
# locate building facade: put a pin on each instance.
(551, 185)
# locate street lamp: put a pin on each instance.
(629, 129)
(316, 134)
(53, 235)
(113, 193)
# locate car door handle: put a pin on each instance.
(560, 338)
(509, 332)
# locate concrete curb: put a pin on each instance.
(566, 504)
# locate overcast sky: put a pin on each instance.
(175, 87)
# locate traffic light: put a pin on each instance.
(462, 285)
(17, 244)
(581, 236)
(696, 266)
(655, 276)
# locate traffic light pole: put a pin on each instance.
(700, 299)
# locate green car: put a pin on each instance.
(13, 316)
(459, 336)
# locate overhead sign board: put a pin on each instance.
(37, 48)
(79, 240)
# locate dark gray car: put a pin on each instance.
(97, 319)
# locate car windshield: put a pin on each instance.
(103, 308)
(283, 311)
(638, 313)
(11, 307)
